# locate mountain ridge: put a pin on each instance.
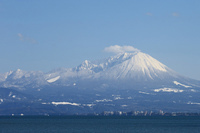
(125, 82)
(124, 66)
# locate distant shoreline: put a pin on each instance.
(107, 115)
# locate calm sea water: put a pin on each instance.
(99, 124)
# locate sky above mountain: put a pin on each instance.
(43, 35)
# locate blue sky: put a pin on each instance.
(47, 34)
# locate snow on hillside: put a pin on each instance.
(168, 90)
(177, 83)
(65, 103)
(53, 79)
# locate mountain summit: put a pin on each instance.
(131, 65)
(126, 81)
(134, 66)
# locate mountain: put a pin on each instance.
(125, 82)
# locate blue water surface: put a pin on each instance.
(99, 124)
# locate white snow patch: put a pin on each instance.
(13, 96)
(168, 90)
(74, 84)
(45, 103)
(177, 83)
(144, 92)
(53, 79)
(1, 100)
(104, 100)
(124, 105)
(193, 103)
(89, 105)
(65, 103)
(118, 98)
(129, 97)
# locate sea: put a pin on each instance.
(99, 124)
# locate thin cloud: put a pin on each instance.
(20, 36)
(26, 39)
(175, 14)
(149, 14)
(120, 49)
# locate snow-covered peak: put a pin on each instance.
(140, 61)
(86, 65)
(123, 56)
(17, 74)
(146, 62)
(10, 72)
(114, 60)
(4, 76)
(86, 62)
(18, 70)
(130, 65)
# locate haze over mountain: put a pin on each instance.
(124, 82)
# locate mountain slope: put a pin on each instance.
(137, 65)
(122, 66)
(123, 70)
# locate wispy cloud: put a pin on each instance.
(26, 39)
(20, 36)
(175, 14)
(149, 14)
(120, 49)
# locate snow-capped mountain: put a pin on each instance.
(22, 79)
(132, 68)
(122, 66)
(136, 66)
(126, 81)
